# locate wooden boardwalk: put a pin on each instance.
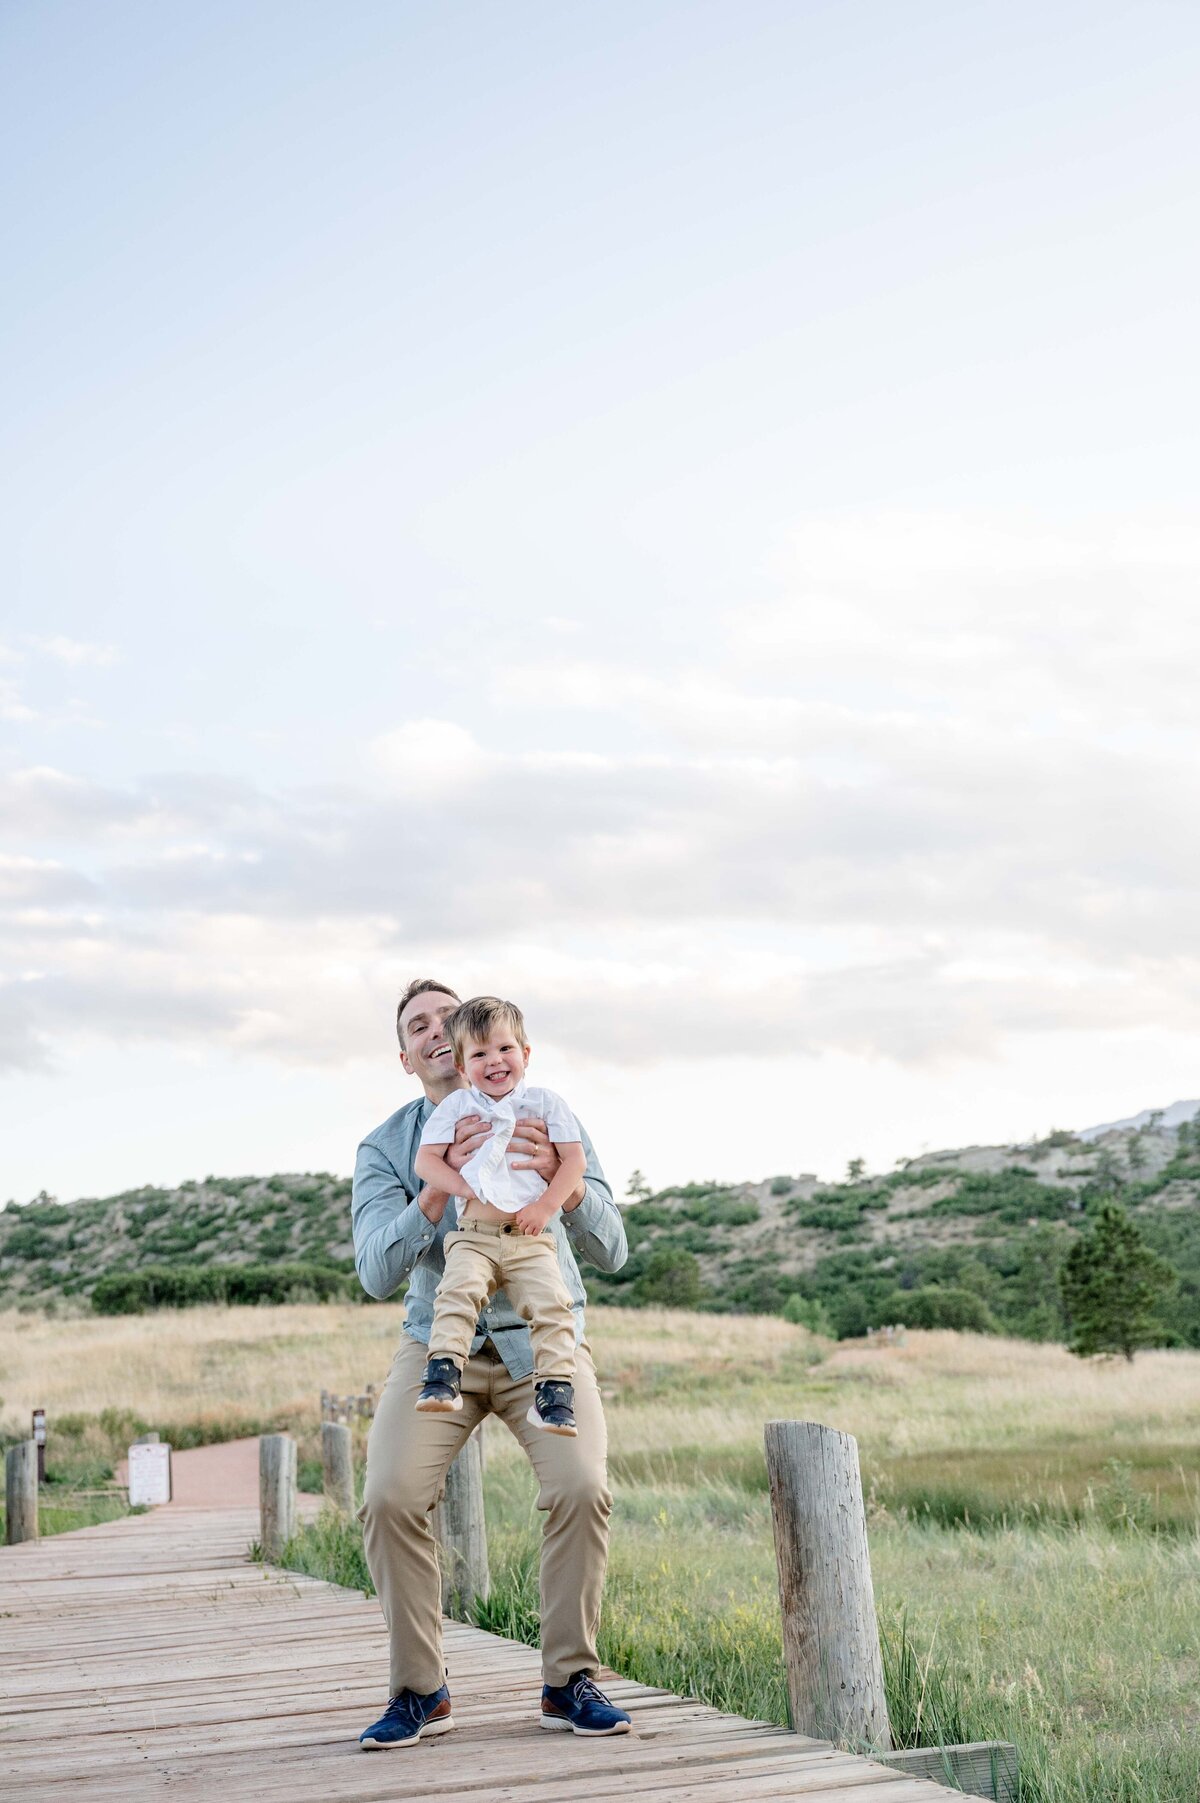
(149, 1658)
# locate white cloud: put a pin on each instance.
(76, 652)
(39, 882)
(937, 793)
(428, 757)
(12, 707)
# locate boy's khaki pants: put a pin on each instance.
(408, 1456)
(483, 1257)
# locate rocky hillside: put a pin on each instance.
(54, 1249)
(970, 1238)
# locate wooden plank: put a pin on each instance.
(336, 1771)
(986, 1766)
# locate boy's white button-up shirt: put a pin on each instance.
(488, 1171)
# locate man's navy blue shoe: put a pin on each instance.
(408, 1717)
(582, 1706)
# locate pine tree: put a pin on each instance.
(1110, 1283)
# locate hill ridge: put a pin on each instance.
(970, 1237)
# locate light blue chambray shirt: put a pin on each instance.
(393, 1240)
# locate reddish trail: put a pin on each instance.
(215, 1477)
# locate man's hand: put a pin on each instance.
(470, 1133)
(532, 1149)
(534, 1216)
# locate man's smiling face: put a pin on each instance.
(425, 1053)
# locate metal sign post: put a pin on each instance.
(39, 1440)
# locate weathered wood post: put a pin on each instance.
(276, 1492)
(337, 1461)
(462, 1534)
(21, 1493)
(830, 1634)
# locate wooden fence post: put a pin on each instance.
(830, 1633)
(276, 1492)
(337, 1460)
(461, 1532)
(21, 1492)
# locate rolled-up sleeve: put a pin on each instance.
(390, 1232)
(595, 1228)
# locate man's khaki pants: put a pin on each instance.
(483, 1257)
(408, 1456)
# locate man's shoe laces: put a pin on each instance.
(586, 1690)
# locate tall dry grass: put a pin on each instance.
(672, 1379)
(184, 1364)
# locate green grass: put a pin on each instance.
(59, 1512)
(1152, 1486)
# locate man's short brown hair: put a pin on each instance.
(478, 1018)
(418, 987)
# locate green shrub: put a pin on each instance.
(938, 1307)
(184, 1286)
(807, 1311)
(29, 1242)
(734, 1211)
(671, 1277)
(696, 1192)
(1013, 1195)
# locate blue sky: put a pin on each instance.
(683, 515)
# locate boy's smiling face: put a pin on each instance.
(495, 1065)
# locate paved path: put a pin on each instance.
(212, 1477)
(148, 1659)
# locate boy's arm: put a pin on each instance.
(562, 1186)
(431, 1167)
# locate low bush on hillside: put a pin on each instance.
(184, 1286)
(1012, 1195)
(935, 1306)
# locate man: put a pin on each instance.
(398, 1232)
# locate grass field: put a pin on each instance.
(1034, 1520)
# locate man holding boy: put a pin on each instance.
(399, 1227)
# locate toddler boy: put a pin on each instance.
(504, 1240)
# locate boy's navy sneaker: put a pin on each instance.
(553, 1406)
(408, 1717)
(582, 1706)
(440, 1388)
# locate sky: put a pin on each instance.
(682, 515)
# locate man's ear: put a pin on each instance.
(408, 1069)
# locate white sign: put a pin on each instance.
(149, 1474)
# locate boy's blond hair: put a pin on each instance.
(477, 1020)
